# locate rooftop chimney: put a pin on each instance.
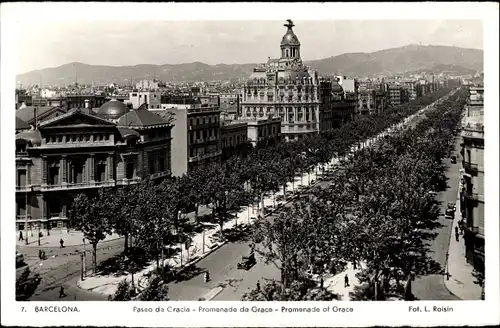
(35, 117)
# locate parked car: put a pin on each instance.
(453, 159)
(452, 205)
(450, 214)
(19, 259)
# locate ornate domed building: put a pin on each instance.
(285, 87)
(112, 110)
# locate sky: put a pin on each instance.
(123, 42)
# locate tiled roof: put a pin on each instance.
(27, 114)
(22, 125)
(126, 133)
(141, 118)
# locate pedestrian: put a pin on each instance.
(207, 277)
(346, 281)
(258, 286)
(21, 235)
(321, 282)
(461, 226)
(61, 242)
(456, 230)
(457, 235)
(44, 257)
(61, 292)
(40, 254)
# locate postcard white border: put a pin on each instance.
(366, 313)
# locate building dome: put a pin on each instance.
(290, 39)
(32, 137)
(112, 109)
(336, 87)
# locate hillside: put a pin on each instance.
(384, 62)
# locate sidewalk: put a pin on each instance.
(335, 283)
(71, 238)
(461, 282)
(205, 243)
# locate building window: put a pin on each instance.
(76, 172)
(21, 178)
(54, 208)
(100, 171)
(162, 162)
(129, 170)
(53, 178)
(59, 139)
(152, 165)
(21, 208)
(106, 136)
(87, 137)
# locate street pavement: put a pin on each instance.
(432, 287)
(63, 268)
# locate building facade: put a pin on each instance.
(285, 88)
(77, 152)
(230, 103)
(472, 189)
(234, 139)
(367, 102)
(151, 98)
(195, 137)
(264, 132)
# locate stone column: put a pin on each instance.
(44, 170)
(28, 174)
(92, 166)
(64, 169)
(109, 166)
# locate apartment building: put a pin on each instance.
(195, 137)
(151, 98)
(234, 139)
(264, 131)
(472, 188)
(284, 88)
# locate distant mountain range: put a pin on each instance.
(411, 58)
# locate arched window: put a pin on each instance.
(287, 53)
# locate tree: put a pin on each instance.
(124, 292)
(92, 216)
(26, 285)
(283, 242)
(156, 291)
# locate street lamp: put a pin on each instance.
(447, 268)
(26, 216)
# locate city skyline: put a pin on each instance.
(221, 42)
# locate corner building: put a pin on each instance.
(285, 87)
(77, 152)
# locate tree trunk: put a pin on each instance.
(284, 192)
(196, 211)
(263, 206)
(125, 248)
(94, 257)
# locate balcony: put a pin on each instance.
(159, 175)
(473, 196)
(205, 156)
(471, 168)
(75, 186)
(125, 181)
(25, 188)
(23, 217)
(473, 131)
